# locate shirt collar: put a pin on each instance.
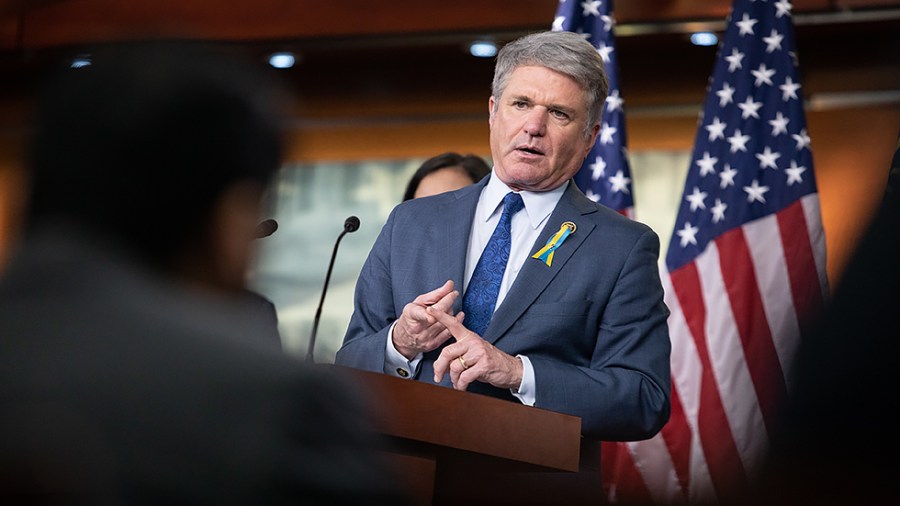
(538, 205)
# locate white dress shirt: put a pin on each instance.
(525, 228)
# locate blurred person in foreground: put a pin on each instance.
(580, 324)
(443, 173)
(131, 369)
(838, 442)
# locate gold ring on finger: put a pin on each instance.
(462, 362)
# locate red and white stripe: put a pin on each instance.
(737, 314)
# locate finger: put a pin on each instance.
(464, 379)
(446, 302)
(445, 360)
(427, 299)
(440, 367)
(456, 369)
(453, 324)
(436, 334)
(463, 371)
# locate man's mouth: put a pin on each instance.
(530, 150)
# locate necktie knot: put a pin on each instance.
(512, 203)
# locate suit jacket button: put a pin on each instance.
(403, 373)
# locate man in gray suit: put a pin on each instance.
(563, 305)
(134, 369)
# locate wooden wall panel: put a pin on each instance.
(89, 21)
(105, 20)
(389, 141)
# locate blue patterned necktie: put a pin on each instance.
(484, 287)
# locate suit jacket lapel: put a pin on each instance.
(457, 215)
(535, 274)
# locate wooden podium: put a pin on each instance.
(452, 447)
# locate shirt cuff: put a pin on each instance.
(526, 393)
(395, 364)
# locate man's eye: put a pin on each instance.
(559, 114)
(520, 104)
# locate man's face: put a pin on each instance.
(538, 138)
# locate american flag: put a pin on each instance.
(744, 272)
(605, 176)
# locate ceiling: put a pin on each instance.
(404, 59)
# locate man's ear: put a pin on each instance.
(592, 138)
(491, 103)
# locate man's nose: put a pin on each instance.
(536, 122)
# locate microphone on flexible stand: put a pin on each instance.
(351, 224)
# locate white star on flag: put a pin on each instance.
(773, 41)
(716, 129)
(608, 22)
(591, 195)
(794, 173)
(783, 7)
(707, 164)
(767, 158)
(746, 25)
(738, 141)
(598, 168)
(749, 108)
(558, 23)
(605, 51)
(726, 95)
(779, 124)
(619, 182)
(727, 177)
(718, 211)
(789, 89)
(696, 199)
(688, 234)
(734, 61)
(606, 133)
(802, 139)
(591, 8)
(763, 75)
(755, 192)
(614, 101)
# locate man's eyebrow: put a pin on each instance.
(522, 98)
(558, 107)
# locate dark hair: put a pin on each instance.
(473, 166)
(140, 144)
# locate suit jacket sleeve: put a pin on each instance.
(623, 393)
(374, 310)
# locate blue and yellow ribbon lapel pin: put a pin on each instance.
(546, 253)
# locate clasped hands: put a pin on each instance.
(427, 322)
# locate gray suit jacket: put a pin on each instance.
(593, 324)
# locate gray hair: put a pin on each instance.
(564, 52)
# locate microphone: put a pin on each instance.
(351, 224)
(267, 228)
